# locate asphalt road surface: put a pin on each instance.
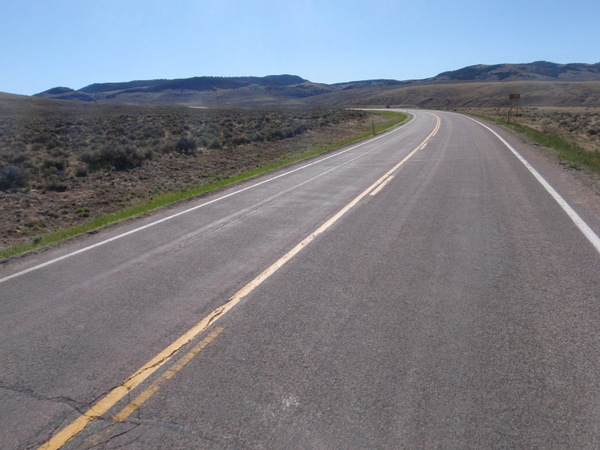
(422, 289)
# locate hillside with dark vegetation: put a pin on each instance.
(536, 71)
(541, 83)
(198, 91)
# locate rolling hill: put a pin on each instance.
(198, 91)
(540, 83)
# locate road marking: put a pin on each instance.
(164, 219)
(579, 222)
(105, 434)
(176, 368)
(103, 405)
(382, 185)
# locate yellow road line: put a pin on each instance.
(105, 434)
(383, 181)
(382, 185)
(107, 402)
(180, 364)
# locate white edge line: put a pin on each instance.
(579, 222)
(164, 219)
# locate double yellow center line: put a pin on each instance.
(104, 404)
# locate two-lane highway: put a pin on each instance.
(421, 289)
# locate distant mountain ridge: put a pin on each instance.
(536, 71)
(194, 83)
(289, 90)
(104, 92)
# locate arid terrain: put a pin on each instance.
(67, 156)
(541, 83)
(61, 166)
(579, 124)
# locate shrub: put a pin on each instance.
(118, 157)
(214, 144)
(257, 136)
(13, 177)
(81, 171)
(55, 183)
(240, 139)
(18, 158)
(274, 134)
(186, 145)
(41, 138)
(52, 163)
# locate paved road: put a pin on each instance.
(422, 289)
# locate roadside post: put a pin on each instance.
(513, 102)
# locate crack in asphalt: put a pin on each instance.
(104, 439)
(28, 392)
(114, 430)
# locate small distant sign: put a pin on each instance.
(515, 96)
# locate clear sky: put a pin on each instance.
(73, 43)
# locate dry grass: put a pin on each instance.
(63, 164)
(579, 125)
(570, 134)
(471, 94)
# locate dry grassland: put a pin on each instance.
(64, 165)
(580, 125)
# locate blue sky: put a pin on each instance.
(48, 43)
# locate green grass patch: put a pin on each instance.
(391, 119)
(566, 150)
